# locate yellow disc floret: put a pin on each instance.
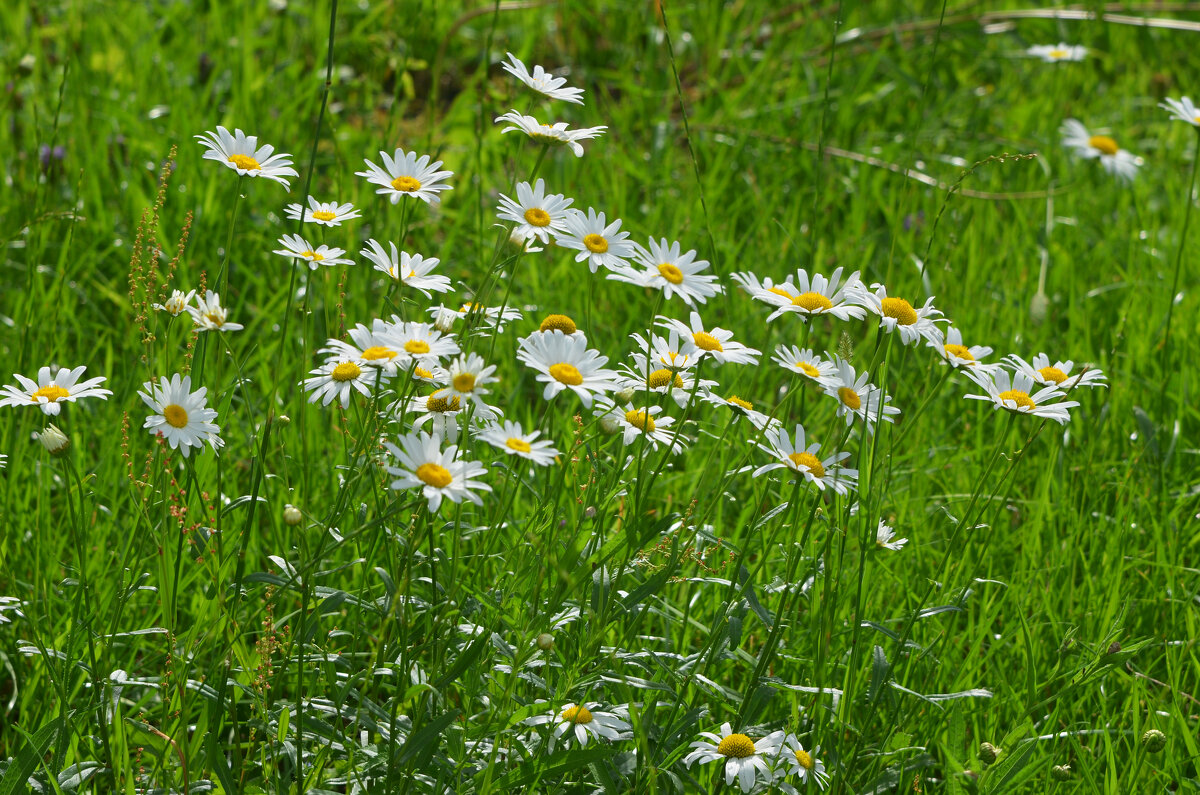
(1053, 374)
(561, 322)
(740, 403)
(175, 415)
(660, 378)
(1104, 143)
(565, 373)
(324, 215)
(808, 460)
(850, 398)
(804, 759)
(808, 370)
(736, 745)
(899, 309)
(595, 243)
(52, 392)
(245, 162)
(707, 342)
(1022, 399)
(671, 273)
(406, 184)
(576, 715)
(520, 445)
(442, 404)
(434, 475)
(813, 302)
(464, 382)
(416, 347)
(346, 371)
(959, 352)
(536, 216)
(312, 255)
(378, 352)
(640, 419)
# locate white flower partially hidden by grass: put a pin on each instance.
(296, 247)
(181, 416)
(857, 399)
(467, 378)
(542, 81)
(1182, 109)
(600, 244)
(665, 268)
(897, 315)
(336, 377)
(1115, 160)
(437, 473)
(209, 315)
(1057, 374)
(405, 174)
(1013, 394)
(509, 438)
(793, 760)
(582, 722)
(323, 213)
(793, 455)
(483, 318)
(815, 295)
(745, 759)
(49, 392)
(411, 270)
(418, 343)
(670, 352)
(716, 344)
(679, 384)
(952, 349)
(439, 413)
(1054, 53)
(741, 408)
(177, 304)
(806, 363)
(645, 422)
(242, 153)
(885, 537)
(565, 362)
(553, 135)
(535, 214)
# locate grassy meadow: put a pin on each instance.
(363, 579)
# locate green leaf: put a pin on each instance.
(31, 753)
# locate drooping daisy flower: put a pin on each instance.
(1057, 374)
(897, 315)
(415, 342)
(467, 378)
(336, 377)
(509, 437)
(665, 268)
(49, 392)
(745, 759)
(296, 247)
(556, 134)
(323, 213)
(566, 362)
(535, 214)
(542, 81)
(1182, 109)
(599, 244)
(857, 399)
(885, 537)
(1013, 393)
(816, 295)
(411, 270)
(644, 422)
(181, 416)
(209, 315)
(741, 408)
(951, 349)
(792, 760)
(436, 472)
(805, 461)
(581, 721)
(177, 304)
(405, 174)
(716, 344)
(805, 363)
(679, 384)
(1055, 53)
(242, 153)
(1116, 161)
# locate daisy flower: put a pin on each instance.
(372, 349)
(336, 377)
(1057, 374)
(242, 153)
(741, 408)
(411, 270)
(581, 721)
(1182, 109)
(437, 473)
(296, 247)
(744, 758)
(563, 323)
(679, 384)
(181, 416)
(858, 399)
(323, 213)
(767, 291)
(668, 352)
(716, 343)
(48, 392)
(415, 342)
(550, 134)
(488, 318)
(676, 274)
(510, 438)
(1116, 161)
(177, 304)
(1013, 393)
(209, 315)
(535, 214)
(565, 362)
(792, 760)
(897, 315)
(817, 295)
(440, 413)
(805, 461)
(885, 537)
(633, 422)
(467, 379)
(1061, 52)
(598, 243)
(405, 174)
(806, 363)
(542, 81)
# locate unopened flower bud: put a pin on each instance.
(1154, 740)
(988, 753)
(625, 395)
(545, 641)
(54, 440)
(283, 419)
(1060, 772)
(1039, 307)
(292, 515)
(609, 424)
(444, 320)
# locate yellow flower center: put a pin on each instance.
(1104, 143)
(245, 162)
(536, 216)
(406, 184)
(804, 759)
(707, 342)
(51, 392)
(576, 715)
(421, 372)
(417, 346)
(899, 309)
(737, 745)
(671, 273)
(175, 415)
(216, 317)
(808, 460)
(346, 371)
(324, 215)
(660, 378)
(376, 352)
(1059, 53)
(960, 351)
(442, 404)
(781, 292)
(464, 382)
(434, 475)
(640, 419)
(312, 255)
(595, 243)
(809, 370)
(1053, 374)
(850, 398)
(521, 446)
(561, 322)
(813, 302)
(1022, 399)
(566, 374)
(737, 401)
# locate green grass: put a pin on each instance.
(1045, 602)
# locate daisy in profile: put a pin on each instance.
(744, 759)
(716, 343)
(296, 247)
(600, 244)
(242, 153)
(898, 316)
(418, 343)
(542, 81)
(209, 315)
(535, 214)
(767, 291)
(411, 270)
(1013, 394)
(1055, 53)
(806, 462)
(467, 378)
(439, 474)
(633, 422)
(177, 304)
(553, 135)
(405, 174)
(49, 392)
(679, 384)
(663, 267)
(566, 362)
(741, 408)
(1182, 109)
(336, 377)
(669, 352)
(323, 213)
(509, 438)
(181, 416)
(951, 348)
(1116, 161)
(478, 316)
(557, 322)
(1057, 374)
(885, 538)
(857, 399)
(817, 295)
(806, 363)
(792, 760)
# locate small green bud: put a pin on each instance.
(54, 440)
(1039, 307)
(1154, 740)
(545, 641)
(292, 515)
(988, 753)
(1061, 772)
